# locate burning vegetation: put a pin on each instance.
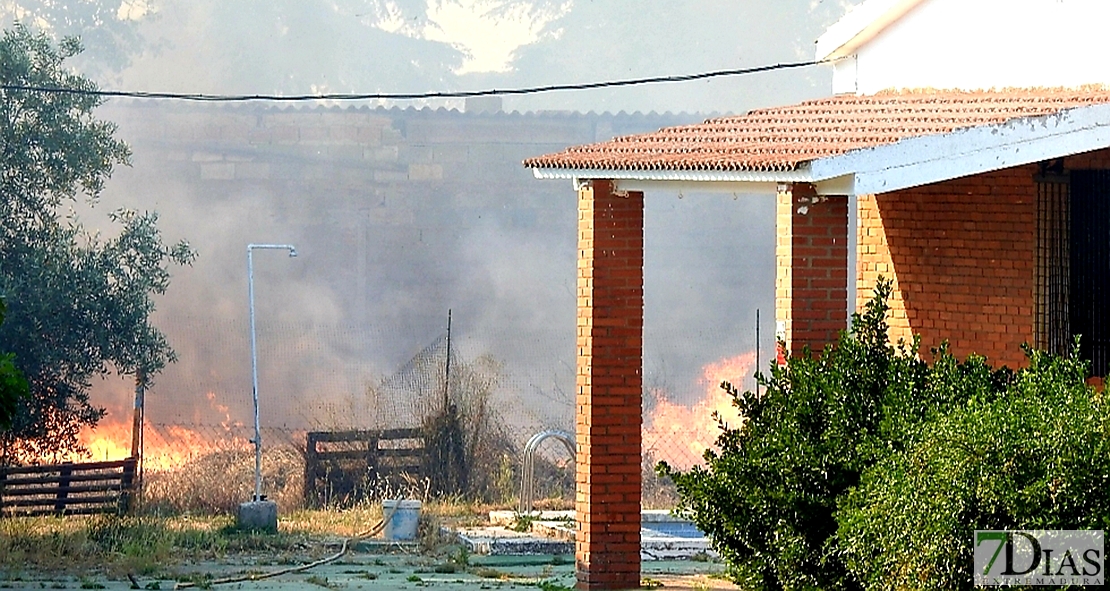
(678, 434)
(466, 449)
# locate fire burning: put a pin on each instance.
(168, 446)
(679, 434)
(164, 448)
(107, 441)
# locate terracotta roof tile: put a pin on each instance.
(781, 138)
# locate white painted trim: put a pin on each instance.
(698, 176)
(838, 186)
(739, 188)
(860, 25)
(844, 185)
(928, 159)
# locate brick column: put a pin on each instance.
(610, 377)
(811, 281)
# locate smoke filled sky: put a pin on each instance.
(383, 259)
(300, 46)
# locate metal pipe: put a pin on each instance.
(447, 367)
(529, 467)
(254, 361)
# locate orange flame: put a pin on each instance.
(226, 423)
(106, 442)
(679, 434)
(165, 448)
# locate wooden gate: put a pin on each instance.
(340, 466)
(67, 489)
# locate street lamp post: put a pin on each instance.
(254, 361)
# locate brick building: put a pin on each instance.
(987, 208)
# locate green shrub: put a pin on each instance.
(865, 467)
(1037, 457)
(768, 498)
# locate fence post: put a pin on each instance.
(311, 499)
(64, 473)
(127, 484)
(373, 461)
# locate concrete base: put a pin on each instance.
(663, 536)
(499, 541)
(257, 515)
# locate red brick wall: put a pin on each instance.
(609, 384)
(811, 286)
(1099, 160)
(962, 255)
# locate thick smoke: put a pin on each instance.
(400, 215)
(432, 212)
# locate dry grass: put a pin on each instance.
(186, 514)
(553, 504)
(217, 482)
(140, 544)
(149, 543)
(324, 522)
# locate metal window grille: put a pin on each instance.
(1051, 329)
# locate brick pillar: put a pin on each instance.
(610, 377)
(811, 281)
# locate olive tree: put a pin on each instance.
(78, 301)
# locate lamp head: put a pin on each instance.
(292, 252)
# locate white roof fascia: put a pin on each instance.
(844, 185)
(933, 158)
(738, 188)
(800, 175)
(709, 181)
(862, 24)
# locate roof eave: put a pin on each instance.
(924, 160)
(911, 162)
(729, 181)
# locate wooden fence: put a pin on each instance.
(67, 489)
(341, 466)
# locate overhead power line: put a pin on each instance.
(232, 98)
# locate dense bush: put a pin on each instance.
(1037, 457)
(847, 471)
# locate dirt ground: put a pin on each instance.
(366, 570)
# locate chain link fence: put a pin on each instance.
(474, 418)
(419, 213)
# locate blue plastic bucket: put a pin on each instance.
(401, 526)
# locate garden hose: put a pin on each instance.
(347, 543)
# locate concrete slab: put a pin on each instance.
(661, 547)
(379, 572)
(501, 541)
(663, 536)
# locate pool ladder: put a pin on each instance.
(529, 469)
